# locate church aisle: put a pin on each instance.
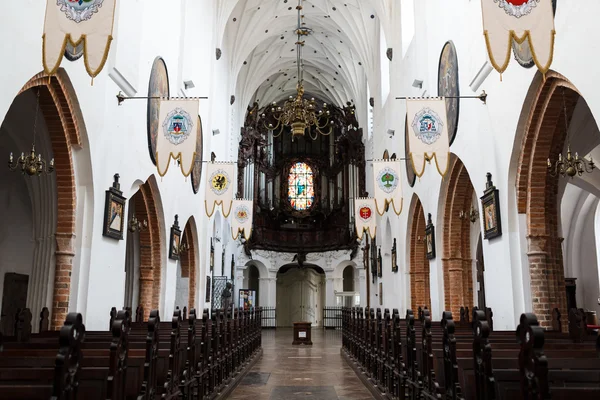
(315, 372)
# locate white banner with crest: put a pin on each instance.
(219, 187)
(365, 217)
(428, 133)
(177, 135)
(76, 21)
(241, 218)
(388, 189)
(531, 20)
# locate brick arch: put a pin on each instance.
(146, 209)
(64, 120)
(456, 261)
(537, 191)
(188, 259)
(419, 264)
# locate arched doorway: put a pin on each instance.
(300, 295)
(460, 230)
(557, 209)
(41, 249)
(143, 261)
(253, 281)
(348, 279)
(420, 295)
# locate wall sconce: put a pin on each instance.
(135, 225)
(472, 215)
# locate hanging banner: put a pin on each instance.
(364, 216)
(428, 133)
(177, 135)
(388, 189)
(78, 21)
(219, 188)
(241, 220)
(521, 20)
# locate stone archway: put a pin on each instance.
(64, 121)
(457, 259)
(538, 196)
(419, 264)
(150, 246)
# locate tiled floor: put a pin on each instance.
(315, 372)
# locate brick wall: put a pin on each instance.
(537, 193)
(457, 262)
(150, 249)
(188, 262)
(419, 264)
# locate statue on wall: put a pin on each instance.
(226, 296)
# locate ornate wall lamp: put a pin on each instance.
(33, 164)
(137, 226)
(569, 165)
(472, 215)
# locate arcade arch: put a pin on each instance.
(551, 203)
(46, 238)
(419, 264)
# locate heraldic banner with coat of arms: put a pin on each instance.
(532, 20)
(177, 135)
(428, 133)
(241, 220)
(364, 216)
(388, 189)
(219, 188)
(90, 21)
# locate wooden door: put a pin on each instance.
(14, 297)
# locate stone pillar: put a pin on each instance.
(329, 292)
(362, 286)
(239, 284)
(62, 278)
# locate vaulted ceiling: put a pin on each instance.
(260, 38)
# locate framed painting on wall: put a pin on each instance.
(380, 293)
(430, 238)
(379, 262)
(394, 257)
(490, 205)
(175, 241)
(114, 211)
(207, 299)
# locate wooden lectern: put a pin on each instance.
(302, 333)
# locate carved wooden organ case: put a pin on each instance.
(337, 163)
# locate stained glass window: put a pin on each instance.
(301, 190)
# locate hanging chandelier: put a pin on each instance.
(299, 113)
(32, 164)
(569, 165)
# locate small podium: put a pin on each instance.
(302, 333)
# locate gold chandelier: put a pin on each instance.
(33, 164)
(569, 165)
(299, 113)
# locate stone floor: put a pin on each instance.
(315, 372)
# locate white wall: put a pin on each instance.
(184, 33)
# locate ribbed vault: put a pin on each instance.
(260, 41)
